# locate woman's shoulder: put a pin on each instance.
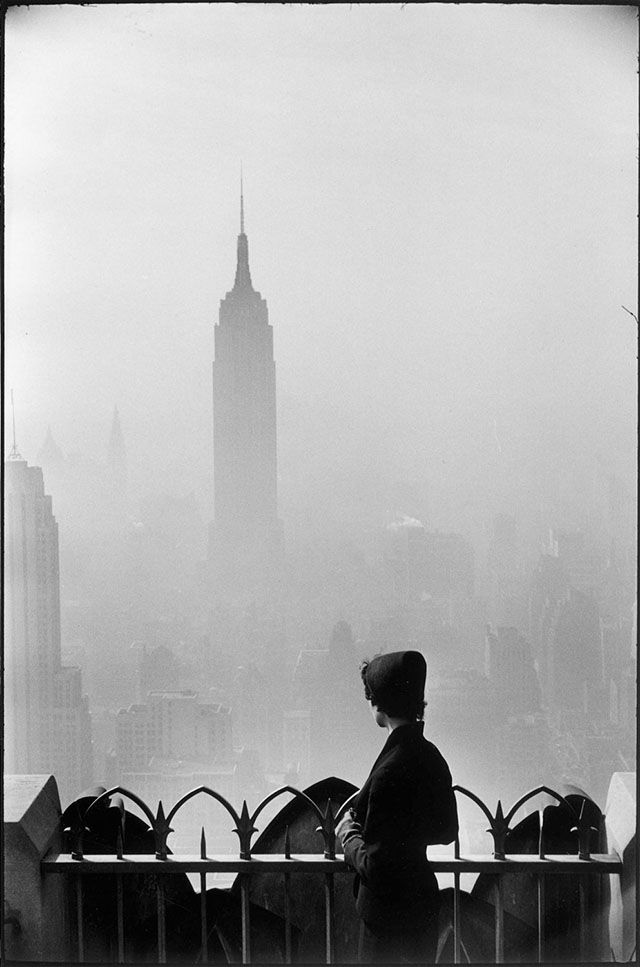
(435, 757)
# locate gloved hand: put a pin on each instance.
(348, 827)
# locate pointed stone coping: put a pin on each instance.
(621, 824)
(31, 813)
(621, 811)
(31, 829)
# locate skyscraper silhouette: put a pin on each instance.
(246, 539)
(47, 724)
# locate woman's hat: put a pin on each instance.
(402, 672)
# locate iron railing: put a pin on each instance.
(77, 866)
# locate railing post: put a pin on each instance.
(499, 921)
(541, 916)
(329, 895)
(31, 828)
(246, 920)
(79, 920)
(456, 918)
(162, 925)
(204, 928)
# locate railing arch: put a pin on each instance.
(499, 823)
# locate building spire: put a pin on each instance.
(241, 203)
(15, 453)
(243, 275)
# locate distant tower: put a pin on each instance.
(114, 508)
(246, 535)
(50, 454)
(117, 454)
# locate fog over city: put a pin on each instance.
(440, 203)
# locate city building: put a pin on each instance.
(583, 560)
(172, 743)
(47, 724)
(549, 588)
(578, 659)
(422, 562)
(507, 597)
(246, 536)
(461, 718)
(327, 698)
(511, 672)
(296, 743)
(172, 724)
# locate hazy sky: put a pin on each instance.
(441, 210)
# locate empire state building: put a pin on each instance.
(246, 538)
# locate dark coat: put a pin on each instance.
(406, 804)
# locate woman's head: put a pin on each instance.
(394, 684)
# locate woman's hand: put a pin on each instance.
(348, 827)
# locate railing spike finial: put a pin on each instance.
(541, 834)
(203, 845)
(161, 830)
(328, 830)
(499, 828)
(245, 829)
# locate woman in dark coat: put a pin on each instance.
(406, 804)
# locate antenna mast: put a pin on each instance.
(14, 455)
(241, 203)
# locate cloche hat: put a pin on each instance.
(398, 672)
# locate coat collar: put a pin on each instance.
(403, 735)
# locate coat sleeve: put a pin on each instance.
(373, 852)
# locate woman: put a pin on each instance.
(406, 804)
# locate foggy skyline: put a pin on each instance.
(426, 443)
(441, 212)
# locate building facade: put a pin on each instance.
(172, 725)
(47, 723)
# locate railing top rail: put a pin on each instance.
(308, 862)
